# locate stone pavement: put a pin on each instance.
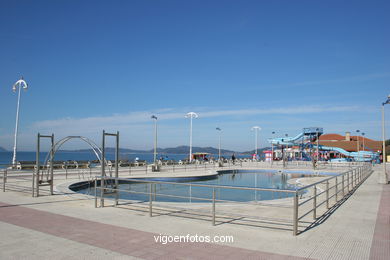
(67, 226)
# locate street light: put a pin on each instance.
(318, 151)
(363, 134)
(383, 137)
(272, 149)
(155, 139)
(18, 84)
(286, 146)
(191, 115)
(357, 137)
(219, 145)
(256, 129)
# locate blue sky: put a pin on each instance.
(282, 65)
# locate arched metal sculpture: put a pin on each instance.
(94, 147)
(48, 163)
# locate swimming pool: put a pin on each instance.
(168, 192)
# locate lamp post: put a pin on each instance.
(363, 134)
(357, 138)
(286, 146)
(155, 139)
(191, 115)
(256, 129)
(272, 149)
(18, 84)
(219, 144)
(318, 151)
(383, 138)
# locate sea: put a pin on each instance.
(6, 157)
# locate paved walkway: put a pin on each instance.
(69, 227)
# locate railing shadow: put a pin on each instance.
(320, 220)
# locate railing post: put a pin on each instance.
(342, 184)
(33, 183)
(352, 180)
(95, 192)
(327, 194)
(356, 176)
(348, 182)
(190, 194)
(102, 192)
(295, 214)
(315, 202)
(4, 179)
(150, 200)
(213, 208)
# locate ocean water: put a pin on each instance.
(6, 157)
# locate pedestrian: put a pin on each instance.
(233, 158)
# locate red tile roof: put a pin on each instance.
(330, 137)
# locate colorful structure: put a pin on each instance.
(312, 143)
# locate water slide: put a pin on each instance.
(315, 131)
(361, 156)
(286, 140)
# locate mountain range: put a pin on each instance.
(2, 149)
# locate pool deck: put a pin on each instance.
(67, 226)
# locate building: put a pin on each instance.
(350, 143)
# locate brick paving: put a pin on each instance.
(64, 227)
(380, 248)
(125, 241)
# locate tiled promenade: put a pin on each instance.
(69, 227)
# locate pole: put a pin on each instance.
(219, 143)
(358, 145)
(16, 128)
(213, 207)
(318, 151)
(150, 200)
(95, 188)
(51, 164)
(191, 138)
(4, 179)
(116, 169)
(37, 166)
(219, 147)
(102, 184)
(256, 141)
(155, 141)
(384, 144)
(295, 215)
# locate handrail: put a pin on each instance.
(354, 178)
(350, 181)
(196, 185)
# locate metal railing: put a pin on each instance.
(323, 191)
(323, 195)
(108, 186)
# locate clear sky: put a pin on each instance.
(281, 65)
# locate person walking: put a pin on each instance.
(233, 158)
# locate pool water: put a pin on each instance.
(165, 192)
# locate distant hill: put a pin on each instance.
(260, 150)
(2, 149)
(185, 149)
(176, 150)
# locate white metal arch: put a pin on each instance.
(97, 151)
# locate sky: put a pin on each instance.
(280, 65)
